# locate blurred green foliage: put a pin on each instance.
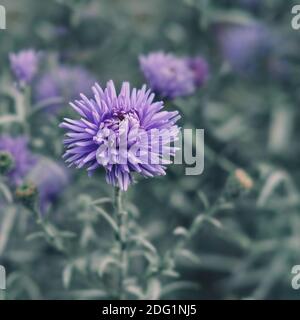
(196, 240)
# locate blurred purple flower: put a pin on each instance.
(245, 47)
(63, 82)
(114, 132)
(200, 68)
(168, 75)
(50, 178)
(24, 65)
(23, 158)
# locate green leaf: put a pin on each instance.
(189, 256)
(171, 273)
(215, 222)
(67, 275)
(105, 263)
(67, 234)
(140, 240)
(101, 201)
(203, 199)
(35, 235)
(6, 193)
(200, 220)
(51, 230)
(107, 218)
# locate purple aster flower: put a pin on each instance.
(245, 47)
(24, 65)
(63, 82)
(124, 133)
(168, 75)
(200, 68)
(22, 157)
(50, 178)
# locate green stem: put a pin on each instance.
(9, 218)
(50, 232)
(121, 216)
(6, 227)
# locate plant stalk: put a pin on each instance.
(121, 216)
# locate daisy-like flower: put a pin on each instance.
(168, 75)
(24, 65)
(62, 82)
(23, 160)
(124, 133)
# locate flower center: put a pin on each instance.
(112, 127)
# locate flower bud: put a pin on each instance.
(6, 162)
(27, 195)
(238, 183)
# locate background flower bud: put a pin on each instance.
(6, 162)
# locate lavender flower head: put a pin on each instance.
(124, 133)
(23, 158)
(24, 65)
(244, 46)
(63, 82)
(168, 75)
(50, 178)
